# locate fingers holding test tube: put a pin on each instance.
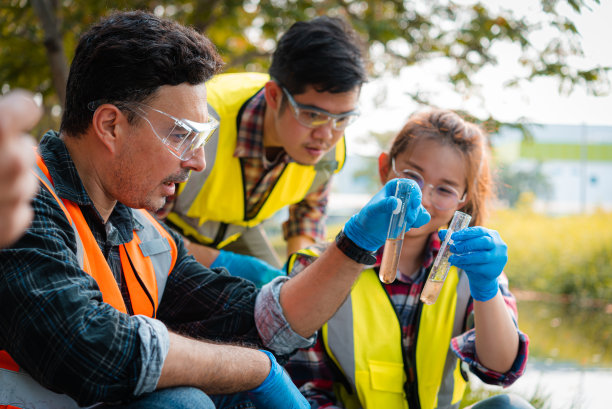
(442, 263)
(482, 254)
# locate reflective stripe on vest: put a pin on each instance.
(210, 207)
(444, 386)
(368, 349)
(152, 253)
(364, 338)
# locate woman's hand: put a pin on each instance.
(482, 254)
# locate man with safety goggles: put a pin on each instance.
(180, 136)
(102, 304)
(280, 140)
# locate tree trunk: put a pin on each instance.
(54, 46)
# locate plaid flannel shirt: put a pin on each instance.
(310, 368)
(55, 325)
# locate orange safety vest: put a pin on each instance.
(147, 260)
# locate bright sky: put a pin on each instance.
(539, 101)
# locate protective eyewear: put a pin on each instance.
(443, 197)
(181, 136)
(313, 117)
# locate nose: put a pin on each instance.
(197, 162)
(426, 192)
(324, 131)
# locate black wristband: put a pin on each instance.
(353, 251)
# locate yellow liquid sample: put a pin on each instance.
(390, 259)
(439, 273)
(431, 290)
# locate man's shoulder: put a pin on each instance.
(238, 79)
(225, 89)
(305, 257)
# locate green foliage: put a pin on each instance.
(570, 255)
(398, 32)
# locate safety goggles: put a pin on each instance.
(180, 136)
(443, 197)
(313, 117)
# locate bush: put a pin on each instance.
(570, 255)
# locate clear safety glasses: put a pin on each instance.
(180, 136)
(313, 117)
(443, 197)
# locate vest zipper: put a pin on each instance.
(142, 285)
(338, 374)
(411, 386)
(414, 402)
(219, 236)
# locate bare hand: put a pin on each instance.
(18, 114)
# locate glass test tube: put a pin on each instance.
(395, 235)
(440, 268)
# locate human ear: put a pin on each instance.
(107, 123)
(384, 164)
(273, 94)
(462, 205)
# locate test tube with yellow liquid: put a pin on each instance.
(440, 268)
(395, 235)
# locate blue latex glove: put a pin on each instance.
(482, 254)
(368, 229)
(249, 267)
(278, 390)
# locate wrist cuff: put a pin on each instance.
(482, 293)
(353, 251)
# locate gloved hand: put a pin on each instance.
(249, 267)
(368, 229)
(482, 254)
(278, 390)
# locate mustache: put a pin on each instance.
(180, 177)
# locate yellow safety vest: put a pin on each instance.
(364, 340)
(210, 207)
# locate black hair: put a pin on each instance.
(325, 53)
(126, 57)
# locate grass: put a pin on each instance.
(569, 256)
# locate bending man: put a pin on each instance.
(280, 140)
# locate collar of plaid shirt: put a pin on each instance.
(68, 185)
(249, 141)
(431, 251)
